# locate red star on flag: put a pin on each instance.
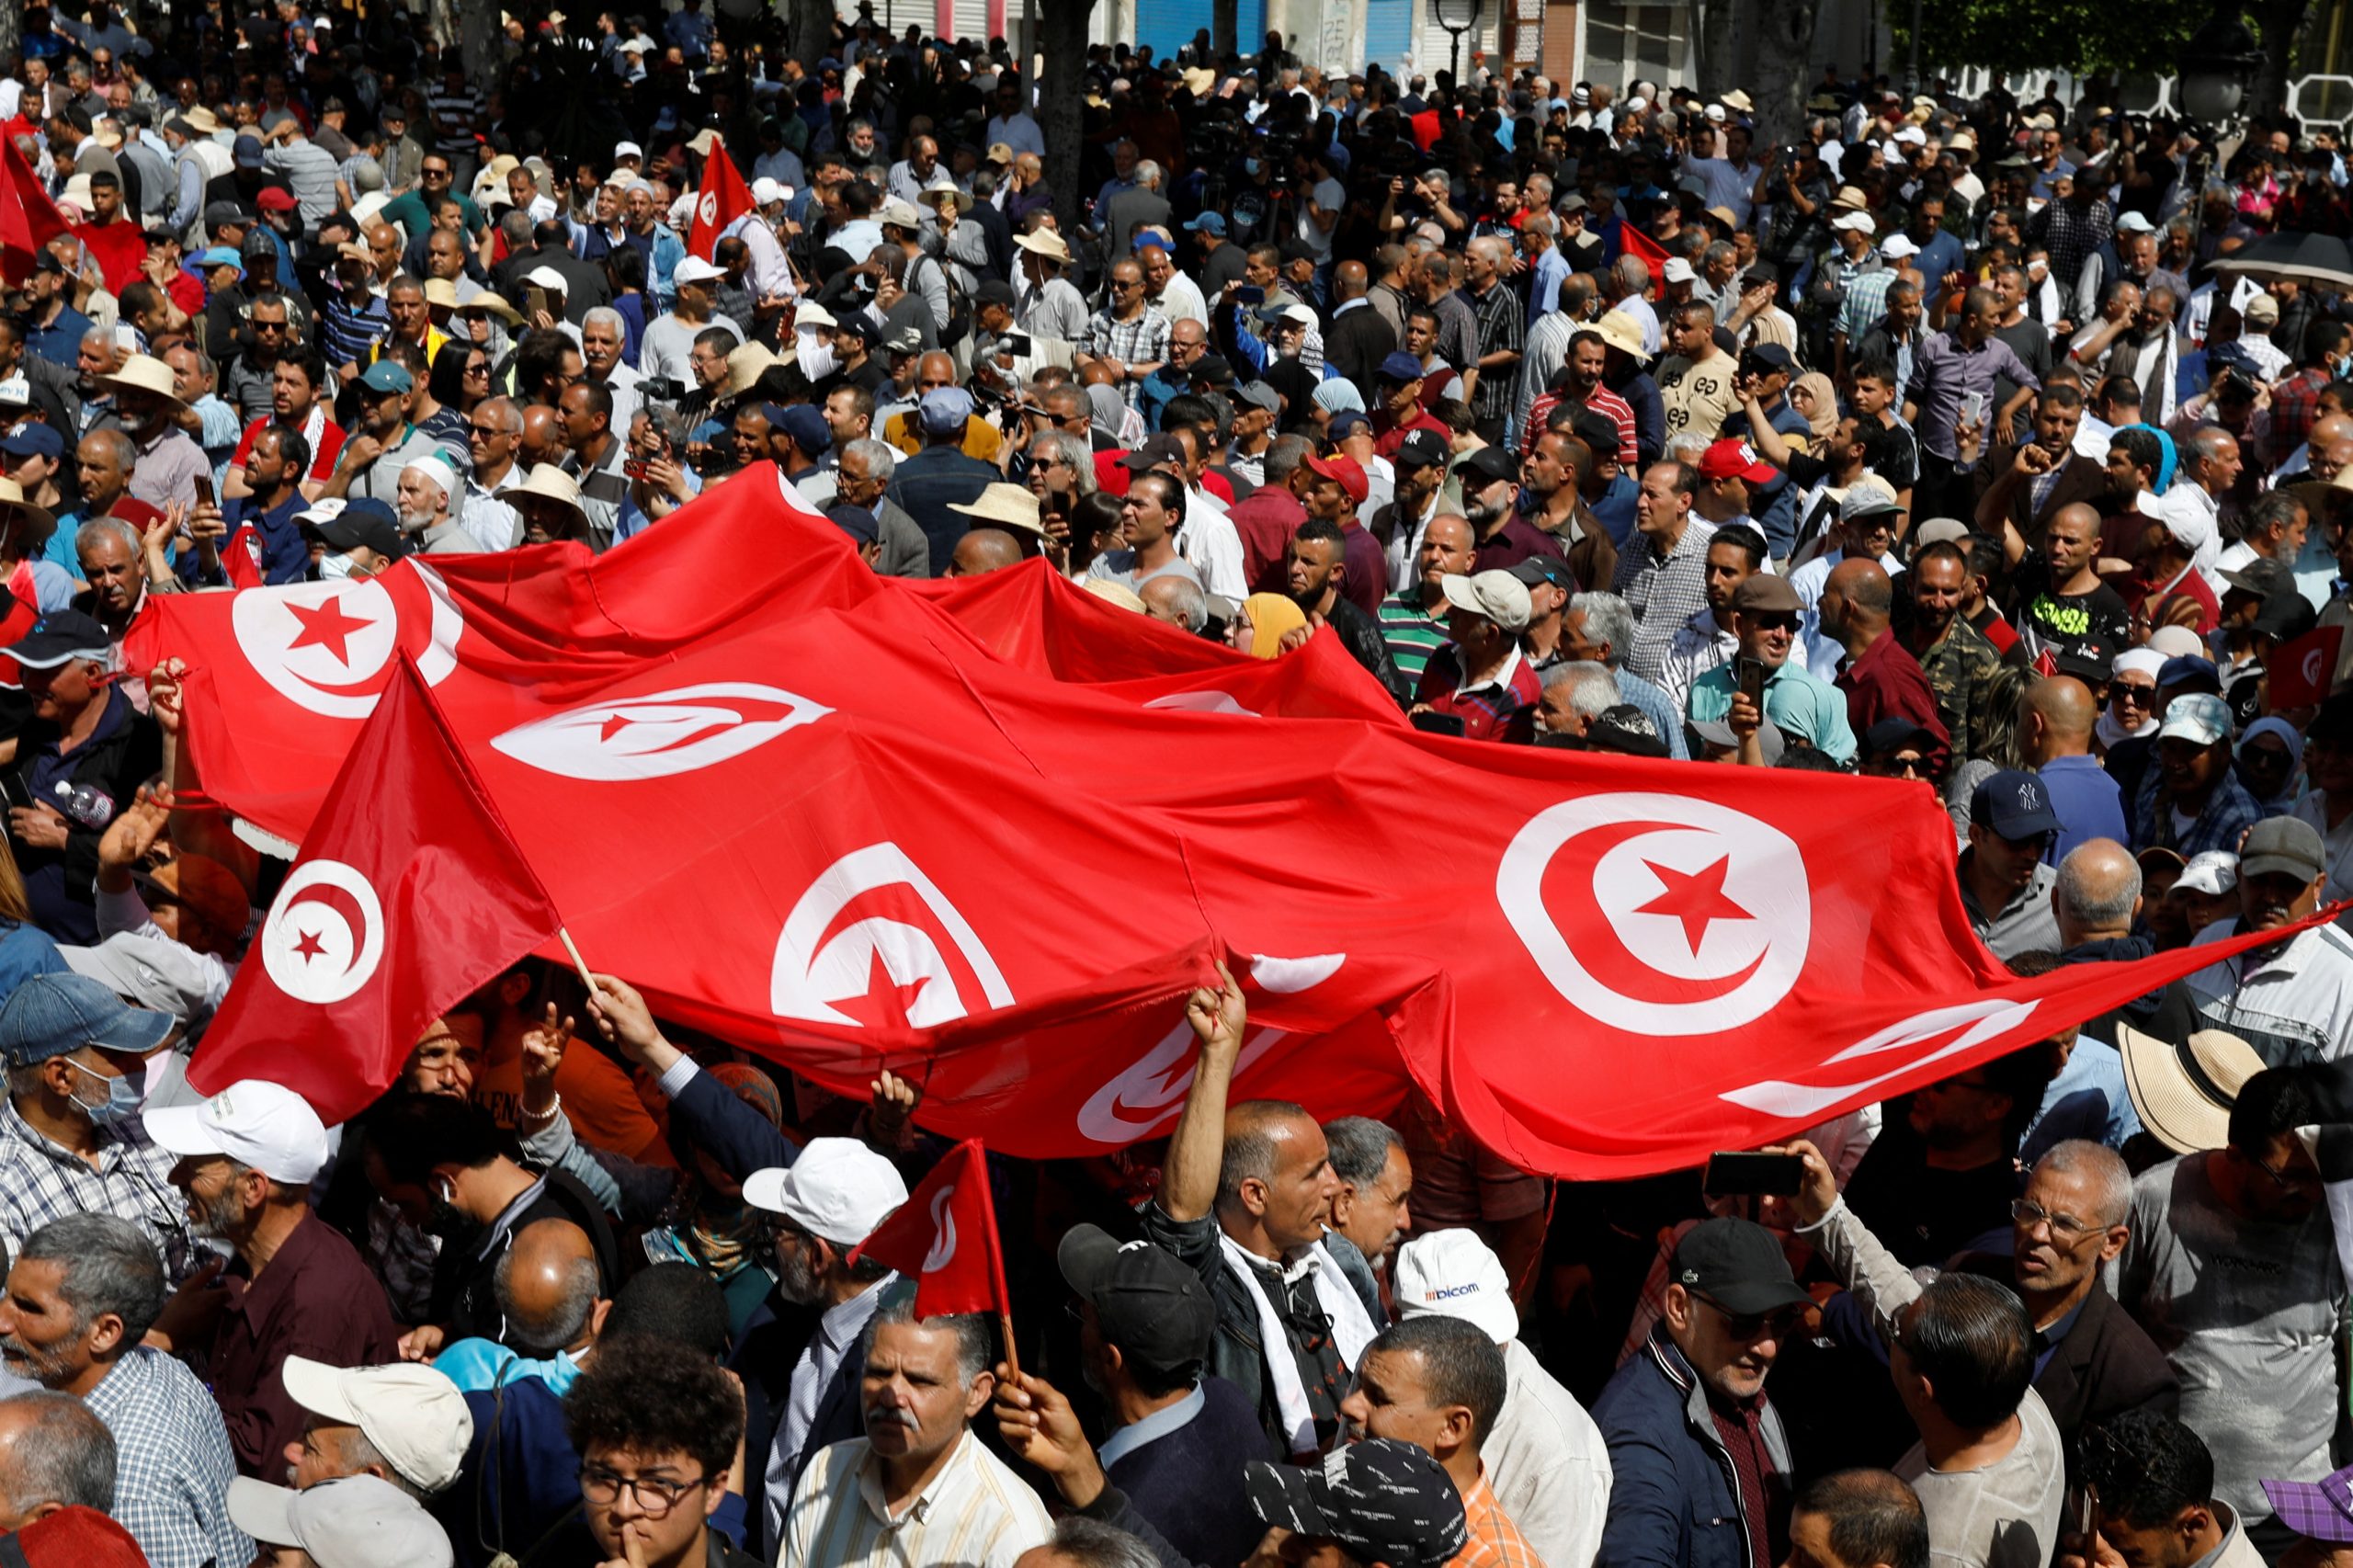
(1695, 898)
(327, 624)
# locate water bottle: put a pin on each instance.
(85, 803)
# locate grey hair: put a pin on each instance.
(1691, 445)
(98, 527)
(2100, 1166)
(1717, 254)
(1147, 172)
(975, 1351)
(1631, 275)
(1359, 1148)
(667, 422)
(1540, 224)
(1284, 454)
(67, 1456)
(1182, 595)
(107, 1265)
(2074, 891)
(1608, 619)
(1072, 449)
(507, 411)
(881, 457)
(1592, 689)
(1090, 1543)
(566, 1320)
(608, 315)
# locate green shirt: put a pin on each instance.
(1411, 633)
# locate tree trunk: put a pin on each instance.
(12, 29)
(479, 37)
(1062, 100)
(808, 30)
(1784, 32)
(1225, 20)
(1718, 62)
(2281, 23)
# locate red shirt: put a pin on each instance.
(1886, 683)
(1388, 435)
(1266, 522)
(1501, 710)
(120, 247)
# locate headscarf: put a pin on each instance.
(2288, 736)
(724, 1233)
(1111, 413)
(1270, 616)
(2141, 661)
(1338, 396)
(1824, 418)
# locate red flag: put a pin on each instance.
(1639, 244)
(408, 896)
(241, 557)
(944, 1238)
(2046, 664)
(28, 219)
(724, 199)
(2301, 672)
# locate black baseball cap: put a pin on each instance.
(1420, 449)
(60, 638)
(1626, 730)
(1738, 1265)
(1894, 735)
(365, 522)
(1381, 1500)
(1493, 463)
(1154, 1308)
(1542, 568)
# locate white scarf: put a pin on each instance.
(1352, 1330)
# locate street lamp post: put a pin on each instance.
(1458, 16)
(2215, 65)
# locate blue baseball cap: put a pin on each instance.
(222, 255)
(2014, 805)
(1346, 420)
(945, 410)
(383, 376)
(54, 1015)
(1209, 223)
(1402, 367)
(805, 425)
(34, 439)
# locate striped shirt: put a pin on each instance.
(173, 1464)
(1503, 329)
(1411, 633)
(976, 1513)
(350, 333)
(1601, 401)
(455, 114)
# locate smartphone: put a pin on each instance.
(1247, 293)
(204, 490)
(633, 468)
(1737, 1174)
(1750, 674)
(1972, 407)
(1016, 344)
(534, 300)
(1439, 723)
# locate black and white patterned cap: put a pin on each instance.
(1383, 1501)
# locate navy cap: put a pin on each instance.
(2189, 669)
(247, 151)
(32, 439)
(366, 524)
(60, 638)
(1772, 356)
(1345, 421)
(1894, 735)
(805, 425)
(2014, 805)
(855, 521)
(1382, 1500)
(1402, 367)
(54, 1015)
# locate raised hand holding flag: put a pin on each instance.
(944, 1238)
(723, 199)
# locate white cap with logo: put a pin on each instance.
(253, 1121)
(413, 1416)
(837, 1190)
(1454, 1274)
(356, 1521)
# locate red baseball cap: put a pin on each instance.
(1345, 473)
(273, 200)
(1737, 460)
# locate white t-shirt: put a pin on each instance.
(1331, 196)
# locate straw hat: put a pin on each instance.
(551, 483)
(441, 291)
(746, 363)
(1045, 243)
(2184, 1094)
(943, 184)
(143, 372)
(1849, 200)
(703, 141)
(488, 299)
(1622, 332)
(1737, 99)
(12, 499)
(1114, 593)
(201, 119)
(1008, 505)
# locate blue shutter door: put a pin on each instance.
(1388, 33)
(1169, 25)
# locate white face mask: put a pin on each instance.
(333, 567)
(815, 354)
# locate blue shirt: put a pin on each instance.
(1551, 270)
(2087, 802)
(284, 554)
(1942, 254)
(1802, 705)
(60, 342)
(1615, 509)
(2086, 1100)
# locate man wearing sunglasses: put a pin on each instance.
(1700, 1461)
(1765, 612)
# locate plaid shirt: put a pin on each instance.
(1501, 707)
(172, 1462)
(41, 1181)
(2229, 813)
(1664, 595)
(2294, 402)
(1865, 303)
(1493, 1541)
(2072, 232)
(1141, 341)
(1503, 329)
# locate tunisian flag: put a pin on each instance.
(409, 896)
(1646, 250)
(28, 219)
(723, 199)
(2300, 671)
(944, 1238)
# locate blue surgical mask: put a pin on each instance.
(332, 568)
(124, 1097)
(1251, 166)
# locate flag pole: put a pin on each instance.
(579, 964)
(996, 1271)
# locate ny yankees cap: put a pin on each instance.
(2014, 805)
(1381, 1500)
(1154, 1308)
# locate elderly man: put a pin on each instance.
(87, 735)
(428, 488)
(2291, 1000)
(54, 1454)
(247, 1159)
(1243, 1202)
(1693, 1438)
(1481, 678)
(1662, 573)
(80, 1294)
(1369, 1212)
(403, 1422)
(1764, 616)
(169, 461)
(918, 1487)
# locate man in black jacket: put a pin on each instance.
(79, 761)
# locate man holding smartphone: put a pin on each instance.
(1762, 681)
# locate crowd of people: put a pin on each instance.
(1939, 442)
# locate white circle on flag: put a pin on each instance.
(708, 207)
(943, 1228)
(328, 646)
(1698, 916)
(324, 935)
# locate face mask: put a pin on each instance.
(816, 355)
(1251, 166)
(334, 568)
(124, 1097)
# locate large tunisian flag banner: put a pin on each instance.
(990, 833)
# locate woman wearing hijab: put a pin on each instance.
(2270, 757)
(1265, 620)
(2131, 710)
(1812, 396)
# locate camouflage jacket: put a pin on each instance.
(1959, 666)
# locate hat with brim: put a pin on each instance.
(942, 185)
(1004, 505)
(548, 277)
(746, 363)
(201, 119)
(2184, 1092)
(143, 373)
(1045, 243)
(487, 301)
(440, 291)
(1849, 199)
(15, 503)
(1739, 101)
(702, 141)
(2318, 1510)
(1623, 333)
(1120, 593)
(548, 483)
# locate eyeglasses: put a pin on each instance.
(1775, 622)
(654, 1497)
(478, 370)
(487, 432)
(2063, 1227)
(1776, 1323)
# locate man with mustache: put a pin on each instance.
(2292, 1000)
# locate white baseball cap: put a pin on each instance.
(356, 1521)
(1678, 270)
(413, 1416)
(838, 1190)
(1454, 1274)
(548, 277)
(1898, 246)
(2214, 873)
(1858, 220)
(626, 150)
(766, 190)
(253, 1121)
(693, 269)
(2135, 223)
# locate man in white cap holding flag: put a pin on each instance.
(247, 1159)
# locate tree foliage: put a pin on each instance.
(2078, 35)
